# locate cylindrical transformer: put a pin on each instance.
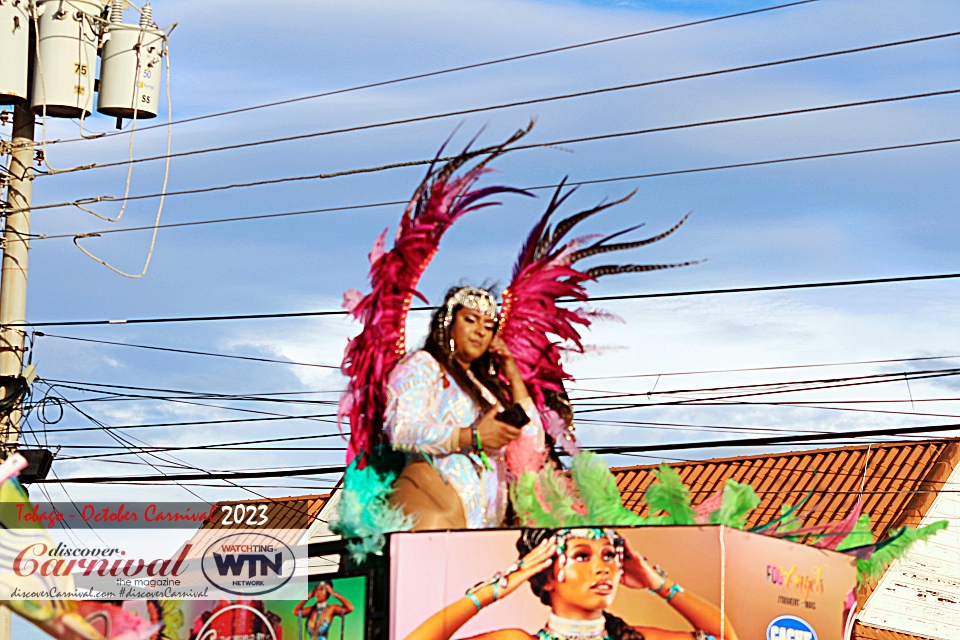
(14, 50)
(130, 71)
(64, 73)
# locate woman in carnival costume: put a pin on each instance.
(576, 572)
(442, 407)
(426, 448)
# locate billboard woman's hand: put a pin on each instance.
(638, 573)
(540, 557)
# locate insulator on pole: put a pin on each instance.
(146, 15)
(116, 12)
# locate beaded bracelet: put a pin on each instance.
(663, 579)
(479, 446)
(674, 590)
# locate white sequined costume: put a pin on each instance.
(424, 417)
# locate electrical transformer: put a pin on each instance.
(130, 66)
(64, 73)
(14, 50)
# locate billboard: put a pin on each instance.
(335, 608)
(755, 587)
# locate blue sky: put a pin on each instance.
(865, 216)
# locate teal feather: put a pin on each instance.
(364, 513)
(542, 499)
(786, 515)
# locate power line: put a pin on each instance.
(222, 220)
(238, 475)
(476, 65)
(641, 176)
(215, 446)
(742, 442)
(118, 438)
(775, 440)
(537, 145)
(199, 423)
(774, 368)
(513, 104)
(692, 401)
(195, 353)
(570, 389)
(637, 296)
(784, 386)
(260, 397)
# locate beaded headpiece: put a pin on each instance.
(479, 300)
(592, 533)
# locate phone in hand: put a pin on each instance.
(514, 416)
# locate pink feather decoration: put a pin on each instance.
(442, 198)
(526, 453)
(543, 274)
(703, 510)
(559, 431)
(840, 530)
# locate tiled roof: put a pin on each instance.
(898, 481)
(288, 518)
(289, 511)
(862, 632)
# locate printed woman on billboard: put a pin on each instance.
(320, 612)
(576, 572)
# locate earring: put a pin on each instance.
(453, 346)
(493, 369)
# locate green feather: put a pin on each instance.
(526, 505)
(668, 495)
(558, 492)
(788, 520)
(787, 514)
(860, 536)
(599, 493)
(894, 547)
(738, 501)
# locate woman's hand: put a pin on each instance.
(493, 433)
(540, 558)
(509, 368)
(508, 365)
(638, 573)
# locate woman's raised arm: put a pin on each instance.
(702, 615)
(444, 623)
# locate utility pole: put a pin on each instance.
(16, 244)
(13, 282)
